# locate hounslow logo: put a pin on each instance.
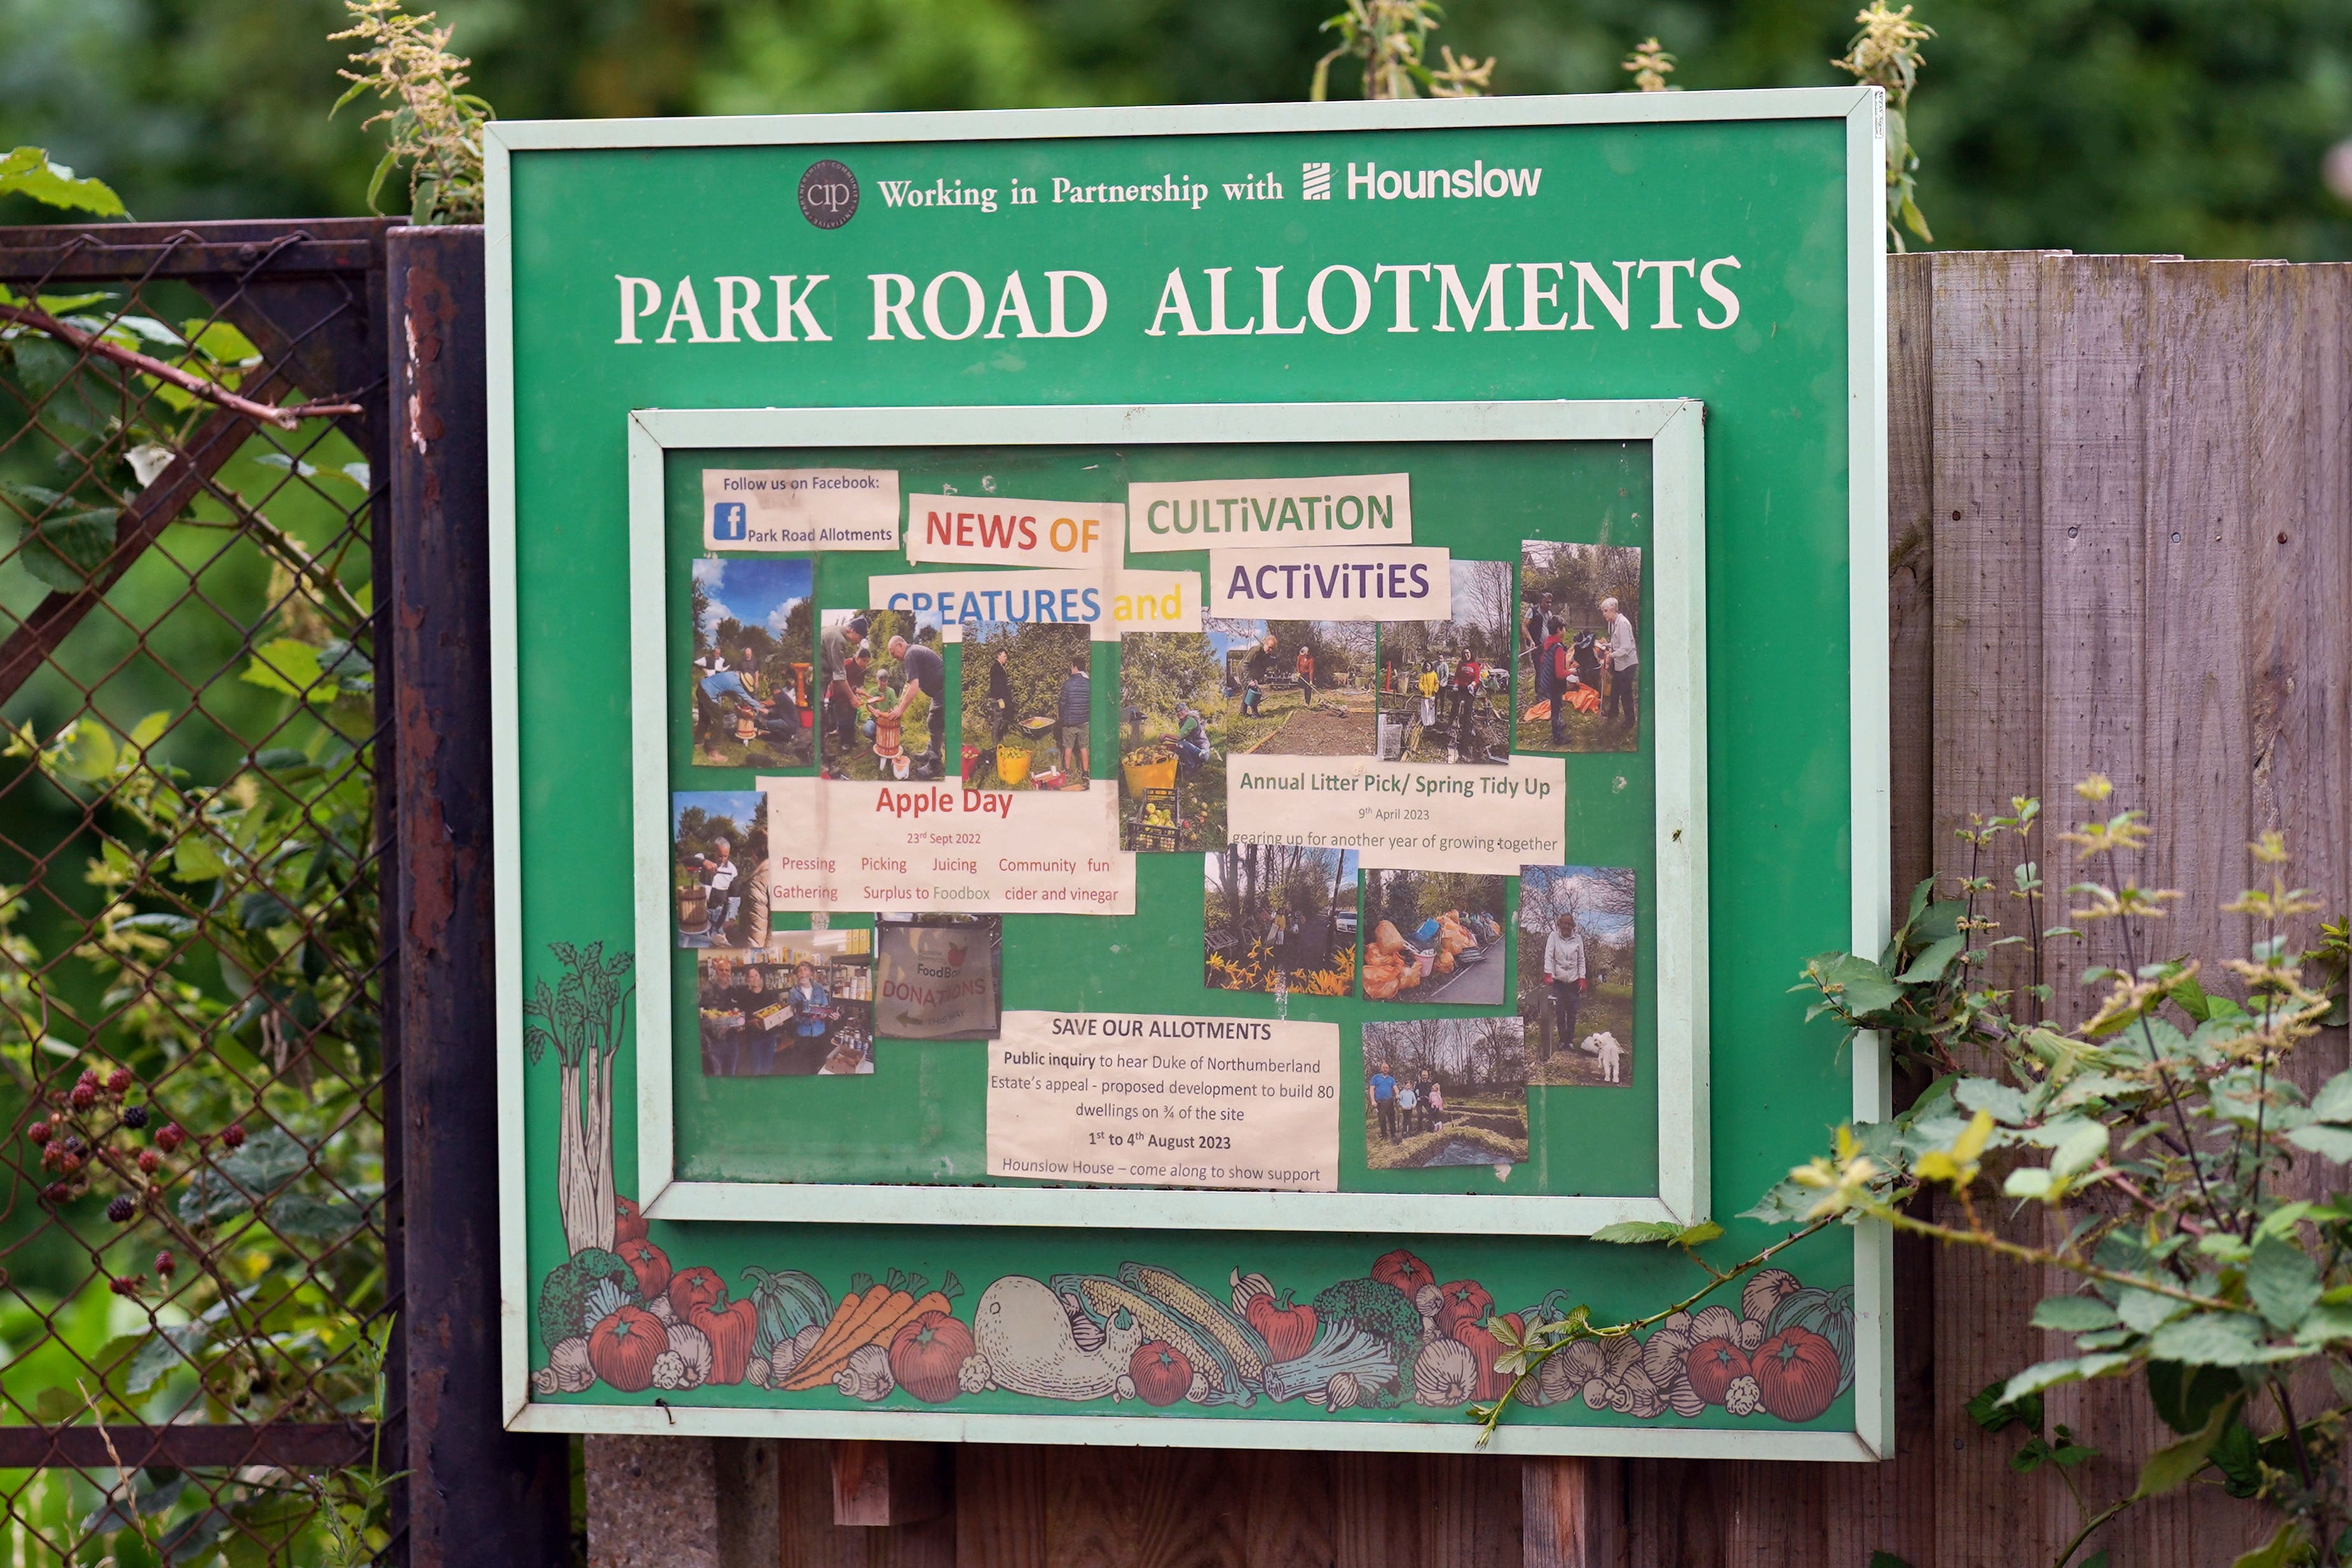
(828, 194)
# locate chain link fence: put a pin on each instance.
(199, 1270)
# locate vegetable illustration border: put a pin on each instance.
(619, 1312)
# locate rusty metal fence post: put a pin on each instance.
(477, 1494)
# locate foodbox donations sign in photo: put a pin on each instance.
(1137, 787)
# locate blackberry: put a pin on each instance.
(39, 1132)
(165, 1263)
(170, 1137)
(122, 1287)
(57, 1192)
(118, 1081)
(83, 1097)
(150, 1161)
(233, 1135)
(134, 1117)
(121, 1209)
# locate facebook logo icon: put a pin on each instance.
(728, 520)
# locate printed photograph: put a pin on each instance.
(719, 852)
(1175, 733)
(1300, 688)
(1279, 919)
(1445, 685)
(1027, 698)
(1433, 937)
(800, 1006)
(1576, 973)
(1579, 636)
(1444, 1092)
(754, 663)
(885, 700)
(939, 977)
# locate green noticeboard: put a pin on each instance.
(1151, 759)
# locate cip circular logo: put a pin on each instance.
(828, 194)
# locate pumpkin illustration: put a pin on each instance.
(628, 1225)
(926, 1356)
(1796, 1373)
(1160, 1373)
(1462, 1302)
(692, 1288)
(650, 1264)
(624, 1347)
(1403, 1270)
(730, 1327)
(1712, 1365)
(1288, 1330)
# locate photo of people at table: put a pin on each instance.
(801, 1007)
(753, 672)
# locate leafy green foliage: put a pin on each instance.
(2158, 1132)
(27, 171)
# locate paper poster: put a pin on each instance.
(1340, 509)
(1110, 602)
(800, 509)
(1413, 816)
(937, 977)
(1370, 584)
(854, 845)
(1137, 1099)
(995, 530)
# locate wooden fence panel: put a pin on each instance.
(2120, 529)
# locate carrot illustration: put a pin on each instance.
(826, 1356)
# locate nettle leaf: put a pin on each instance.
(2282, 1281)
(1638, 1233)
(2073, 1315)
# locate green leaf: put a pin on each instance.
(1887, 1560)
(2147, 1310)
(2328, 1142)
(166, 1352)
(2083, 1147)
(1698, 1235)
(90, 754)
(1991, 1410)
(2214, 1339)
(194, 859)
(2006, 1105)
(2278, 1551)
(27, 171)
(63, 550)
(2238, 1456)
(1929, 965)
(1940, 920)
(2186, 1397)
(2282, 1282)
(2051, 1373)
(2334, 1101)
(1862, 985)
(1638, 1233)
(2170, 1468)
(283, 665)
(313, 1219)
(2073, 1315)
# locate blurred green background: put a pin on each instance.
(2094, 125)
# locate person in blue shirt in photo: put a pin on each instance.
(1384, 1089)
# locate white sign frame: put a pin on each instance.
(1675, 639)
